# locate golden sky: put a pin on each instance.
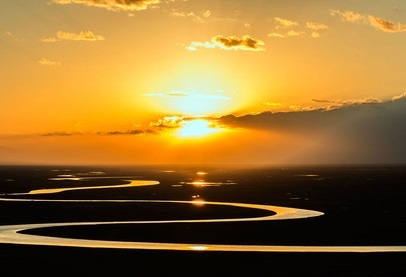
(217, 81)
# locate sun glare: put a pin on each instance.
(197, 128)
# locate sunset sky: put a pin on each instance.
(193, 81)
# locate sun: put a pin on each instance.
(196, 128)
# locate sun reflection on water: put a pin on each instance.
(198, 247)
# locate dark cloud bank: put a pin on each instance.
(360, 133)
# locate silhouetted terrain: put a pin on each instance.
(362, 205)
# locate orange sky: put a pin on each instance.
(99, 82)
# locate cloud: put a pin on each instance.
(180, 122)
(291, 33)
(83, 36)
(284, 23)
(288, 24)
(129, 132)
(335, 104)
(246, 43)
(349, 16)
(297, 111)
(315, 35)
(273, 104)
(207, 13)
(277, 35)
(192, 15)
(59, 134)
(12, 35)
(301, 108)
(316, 26)
(385, 25)
(399, 97)
(139, 131)
(359, 131)
(191, 94)
(330, 104)
(168, 122)
(113, 5)
(373, 21)
(48, 62)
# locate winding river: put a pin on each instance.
(12, 233)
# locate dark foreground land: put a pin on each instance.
(54, 261)
(361, 206)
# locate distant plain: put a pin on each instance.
(361, 206)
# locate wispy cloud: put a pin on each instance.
(192, 15)
(316, 26)
(349, 16)
(168, 122)
(246, 43)
(330, 104)
(139, 131)
(277, 35)
(48, 62)
(285, 29)
(399, 97)
(12, 35)
(386, 25)
(82, 36)
(60, 134)
(129, 132)
(335, 104)
(114, 5)
(291, 33)
(373, 21)
(190, 94)
(273, 104)
(284, 23)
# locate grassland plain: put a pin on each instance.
(362, 205)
